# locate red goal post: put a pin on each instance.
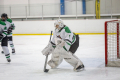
(112, 40)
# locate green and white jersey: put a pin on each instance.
(9, 23)
(65, 34)
(3, 28)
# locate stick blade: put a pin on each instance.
(46, 70)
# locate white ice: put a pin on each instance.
(28, 62)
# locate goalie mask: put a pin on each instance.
(59, 22)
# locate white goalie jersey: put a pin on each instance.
(65, 34)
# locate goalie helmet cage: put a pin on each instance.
(112, 53)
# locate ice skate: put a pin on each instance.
(13, 51)
(9, 60)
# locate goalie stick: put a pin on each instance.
(46, 70)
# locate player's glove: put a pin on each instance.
(9, 30)
(48, 49)
(12, 27)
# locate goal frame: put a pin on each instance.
(106, 46)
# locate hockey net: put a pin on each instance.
(112, 40)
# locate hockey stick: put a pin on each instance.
(46, 70)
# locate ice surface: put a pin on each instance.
(28, 62)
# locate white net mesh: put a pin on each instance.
(112, 41)
(113, 47)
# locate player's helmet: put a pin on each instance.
(59, 22)
(4, 15)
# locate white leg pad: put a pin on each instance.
(56, 59)
(70, 58)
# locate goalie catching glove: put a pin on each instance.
(48, 49)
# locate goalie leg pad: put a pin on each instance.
(56, 59)
(55, 62)
(70, 58)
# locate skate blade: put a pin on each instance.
(13, 53)
(79, 70)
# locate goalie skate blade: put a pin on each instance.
(46, 70)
